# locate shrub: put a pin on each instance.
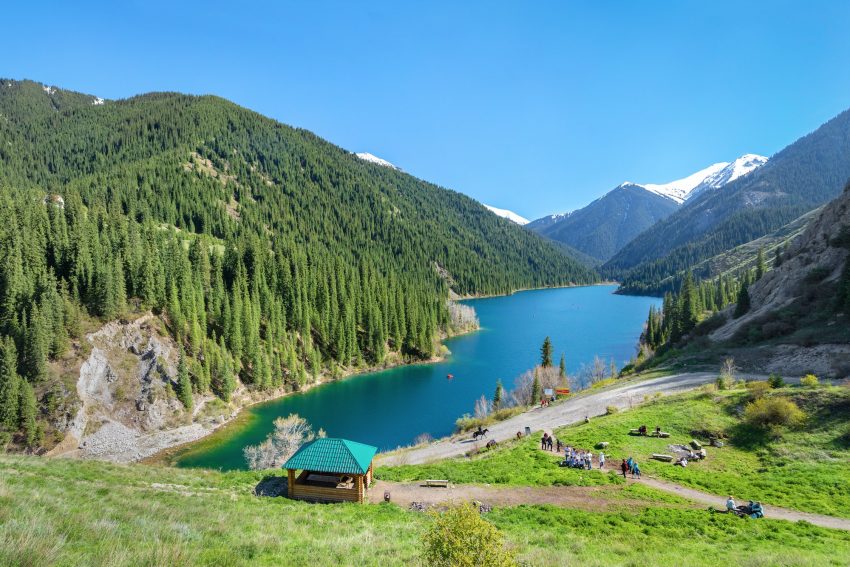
(767, 412)
(611, 410)
(809, 381)
(758, 389)
(723, 382)
(460, 537)
(775, 380)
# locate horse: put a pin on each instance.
(479, 433)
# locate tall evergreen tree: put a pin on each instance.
(536, 390)
(546, 353)
(9, 384)
(743, 303)
(184, 383)
(498, 395)
(562, 367)
(761, 266)
(28, 413)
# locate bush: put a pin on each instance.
(758, 389)
(809, 381)
(723, 382)
(460, 537)
(767, 412)
(611, 410)
(775, 380)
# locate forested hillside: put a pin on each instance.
(270, 253)
(607, 224)
(801, 177)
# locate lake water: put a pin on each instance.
(392, 407)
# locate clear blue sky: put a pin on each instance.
(534, 106)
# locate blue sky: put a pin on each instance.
(534, 106)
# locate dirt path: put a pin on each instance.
(591, 498)
(769, 510)
(557, 415)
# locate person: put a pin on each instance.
(730, 504)
(635, 470)
(589, 460)
(630, 463)
(756, 511)
(601, 460)
(586, 419)
(543, 441)
(557, 445)
(658, 431)
(624, 467)
(549, 443)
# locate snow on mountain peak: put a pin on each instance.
(366, 156)
(680, 189)
(712, 177)
(510, 215)
(97, 101)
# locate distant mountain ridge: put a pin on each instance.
(801, 177)
(607, 224)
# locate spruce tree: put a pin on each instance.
(9, 384)
(743, 304)
(536, 390)
(546, 353)
(761, 266)
(497, 395)
(562, 367)
(184, 383)
(28, 413)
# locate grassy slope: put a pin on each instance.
(805, 470)
(73, 513)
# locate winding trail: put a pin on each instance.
(589, 403)
(591, 498)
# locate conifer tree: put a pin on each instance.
(546, 353)
(28, 413)
(536, 390)
(9, 384)
(761, 266)
(498, 395)
(184, 383)
(743, 304)
(562, 367)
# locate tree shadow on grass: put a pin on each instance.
(272, 486)
(748, 437)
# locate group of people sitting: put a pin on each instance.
(630, 466)
(751, 509)
(579, 459)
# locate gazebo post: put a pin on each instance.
(360, 488)
(291, 483)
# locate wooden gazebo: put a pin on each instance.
(332, 470)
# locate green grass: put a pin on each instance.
(64, 512)
(807, 469)
(517, 463)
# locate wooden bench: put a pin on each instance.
(437, 483)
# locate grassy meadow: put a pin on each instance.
(64, 512)
(804, 469)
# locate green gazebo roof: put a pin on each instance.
(333, 456)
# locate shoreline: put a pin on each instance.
(544, 288)
(167, 455)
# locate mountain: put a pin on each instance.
(270, 257)
(606, 225)
(609, 223)
(365, 156)
(801, 177)
(506, 214)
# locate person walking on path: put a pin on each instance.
(601, 460)
(624, 467)
(635, 470)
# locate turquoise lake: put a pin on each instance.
(392, 407)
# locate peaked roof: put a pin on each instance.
(333, 455)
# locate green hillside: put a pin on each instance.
(67, 513)
(271, 254)
(607, 224)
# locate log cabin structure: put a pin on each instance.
(332, 470)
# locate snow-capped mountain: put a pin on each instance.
(607, 224)
(510, 215)
(712, 177)
(366, 156)
(738, 168)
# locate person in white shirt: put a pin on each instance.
(601, 460)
